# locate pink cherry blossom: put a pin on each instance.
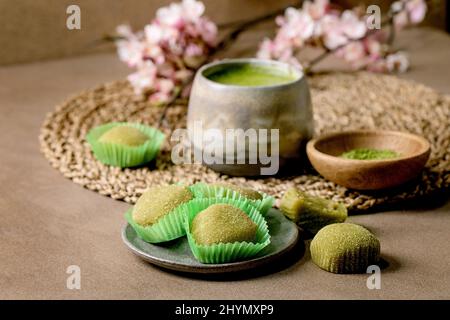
(163, 85)
(143, 79)
(397, 62)
(352, 26)
(208, 31)
(170, 15)
(192, 10)
(409, 12)
(159, 97)
(345, 33)
(297, 25)
(331, 32)
(316, 9)
(416, 10)
(352, 52)
(193, 50)
(374, 48)
(169, 49)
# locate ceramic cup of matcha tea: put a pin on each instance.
(249, 117)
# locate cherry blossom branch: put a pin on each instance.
(245, 26)
(327, 52)
(180, 39)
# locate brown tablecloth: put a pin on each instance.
(48, 223)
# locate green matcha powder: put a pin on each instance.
(251, 75)
(369, 154)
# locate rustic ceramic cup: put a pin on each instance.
(285, 106)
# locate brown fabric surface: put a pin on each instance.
(48, 223)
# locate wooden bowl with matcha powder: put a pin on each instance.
(248, 95)
(369, 159)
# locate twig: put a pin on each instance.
(245, 25)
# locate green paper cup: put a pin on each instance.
(203, 190)
(169, 227)
(226, 252)
(121, 155)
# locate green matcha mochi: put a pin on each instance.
(309, 212)
(246, 192)
(222, 223)
(159, 201)
(124, 135)
(345, 248)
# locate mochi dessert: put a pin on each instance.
(222, 223)
(156, 202)
(246, 192)
(124, 135)
(345, 248)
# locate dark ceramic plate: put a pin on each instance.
(176, 254)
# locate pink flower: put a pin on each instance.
(193, 50)
(298, 25)
(408, 12)
(159, 97)
(397, 62)
(170, 15)
(208, 31)
(316, 9)
(164, 85)
(416, 10)
(192, 9)
(130, 51)
(265, 49)
(353, 52)
(331, 32)
(352, 26)
(177, 42)
(124, 30)
(373, 47)
(143, 79)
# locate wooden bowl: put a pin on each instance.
(324, 154)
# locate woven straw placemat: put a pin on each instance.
(340, 102)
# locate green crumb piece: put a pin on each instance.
(369, 154)
(159, 201)
(223, 223)
(124, 135)
(246, 192)
(345, 248)
(311, 213)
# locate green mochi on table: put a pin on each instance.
(345, 248)
(246, 192)
(309, 212)
(159, 201)
(223, 223)
(124, 135)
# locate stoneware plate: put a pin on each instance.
(176, 254)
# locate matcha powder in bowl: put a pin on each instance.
(370, 154)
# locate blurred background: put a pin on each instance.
(34, 30)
